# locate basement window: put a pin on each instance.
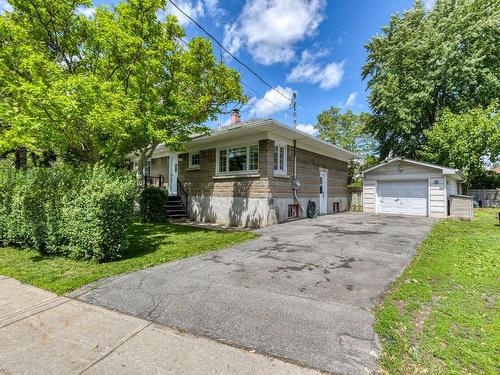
(293, 211)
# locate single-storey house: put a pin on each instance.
(254, 173)
(409, 187)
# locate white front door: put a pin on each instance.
(323, 192)
(403, 197)
(172, 174)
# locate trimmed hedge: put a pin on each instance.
(153, 204)
(79, 213)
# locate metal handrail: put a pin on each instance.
(182, 194)
(153, 180)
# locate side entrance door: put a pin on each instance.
(172, 171)
(323, 192)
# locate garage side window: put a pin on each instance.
(280, 159)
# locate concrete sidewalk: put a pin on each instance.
(42, 333)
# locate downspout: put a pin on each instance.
(295, 183)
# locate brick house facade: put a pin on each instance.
(264, 194)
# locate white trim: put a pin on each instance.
(191, 165)
(233, 173)
(256, 130)
(284, 170)
(429, 183)
(241, 175)
(323, 196)
(414, 176)
(173, 174)
(444, 170)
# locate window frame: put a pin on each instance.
(146, 170)
(191, 165)
(282, 165)
(247, 146)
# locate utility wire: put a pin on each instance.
(249, 87)
(264, 97)
(229, 53)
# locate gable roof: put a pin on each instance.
(264, 127)
(445, 170)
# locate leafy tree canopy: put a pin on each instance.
(463, 140)
(93, 89)
(426, 62)
(347, 130)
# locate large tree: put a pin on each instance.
(428, 61)
(91, 89)
(464, 140)
(347, 130)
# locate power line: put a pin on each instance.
(249, 87)
(229, 53)
(264, 97)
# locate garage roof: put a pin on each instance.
(445, 170)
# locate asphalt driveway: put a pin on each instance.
(303, 291)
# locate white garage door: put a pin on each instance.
(402, 197)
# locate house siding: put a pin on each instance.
(159, 167)
(264, 199)
(309, 165)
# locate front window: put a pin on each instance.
(280, 159)
(194, 159)
(239, 159)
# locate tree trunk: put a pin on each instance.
(21, 158)
(144, 155)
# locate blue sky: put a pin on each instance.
(312, 47)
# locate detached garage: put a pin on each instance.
(408, 187)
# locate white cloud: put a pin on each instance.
(268, 29)
(268, 105)
(88, 12)
(193, 9)
(5, 6)
(213, 8)
(307, 128)
(429, 4)
(351, 99)
(309, 70)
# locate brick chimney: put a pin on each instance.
(235, 116)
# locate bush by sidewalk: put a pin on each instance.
(80, 213)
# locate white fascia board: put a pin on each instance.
(444, 170)
(253, 130)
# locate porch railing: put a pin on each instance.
(182, 194)
(160, 181)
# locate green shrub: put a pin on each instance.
(98, 216)
(60, 210)
(7, 184)
(153, 204)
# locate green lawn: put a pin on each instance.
(151, 244)
(442, 316)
